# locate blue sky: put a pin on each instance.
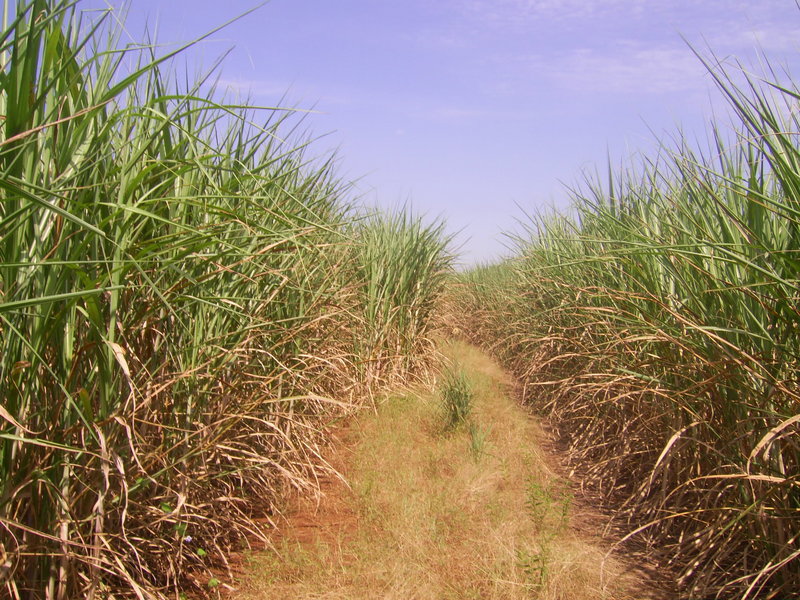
(475, 110)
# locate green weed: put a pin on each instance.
(456, 394)
(534, 564)
(548, 505)
(477, 441)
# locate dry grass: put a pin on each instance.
(431, 513)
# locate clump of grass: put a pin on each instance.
(456, 396)
(478, 440)
(657, 326)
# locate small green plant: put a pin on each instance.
(534, 564)
(548, 505)
(456, 396)
(538, 501)
(477, 441)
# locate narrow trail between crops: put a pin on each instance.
(479, 512)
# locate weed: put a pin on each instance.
(548, 505)
(456, 395)
(534, 564)
(477, 441)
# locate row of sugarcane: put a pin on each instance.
(186, 298)
(658, 325)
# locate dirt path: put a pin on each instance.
(423, 513)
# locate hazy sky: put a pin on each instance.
(471, 109)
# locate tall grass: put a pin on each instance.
(659, 328)
(176, 313)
